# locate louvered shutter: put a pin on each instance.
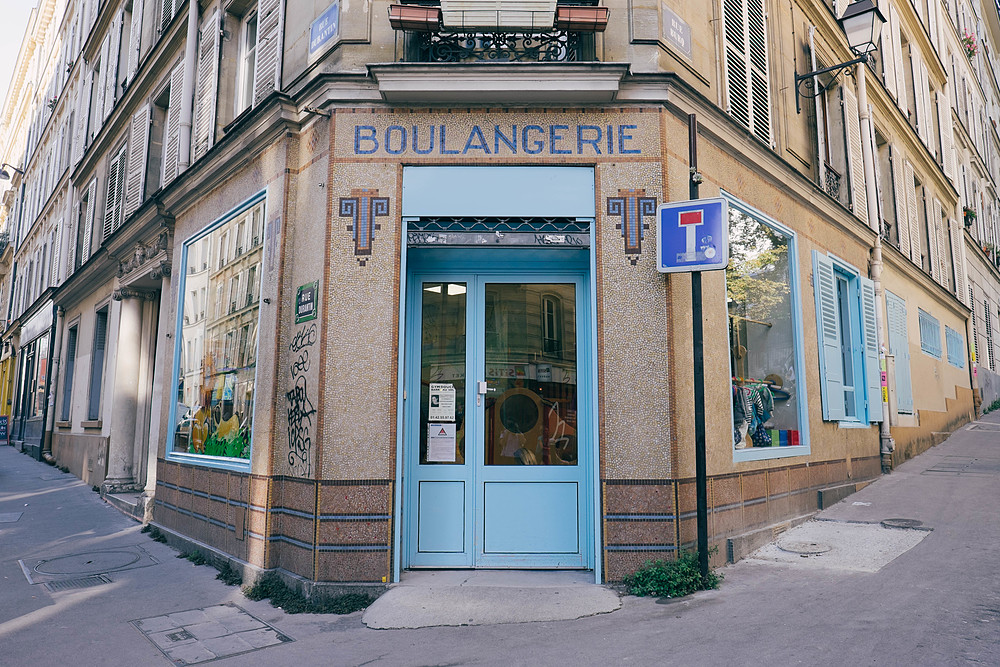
(747, 80)
(135, 39)
(101, 84)
(889, 61)
(57, 254)
(899, 347)
(958, 259)
(831, 368)
(111, 65)
(873, 374)
(852, 127)
(947, 133)
(932, 22)
(267, 70)
(933, 251)
(939, 238)
(167, 10)
(208, 83)
(897, 54)
(913, 217)
(171, 153)
(115, 193)
(88, 219)
(135, 183)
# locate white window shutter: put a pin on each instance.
(932, 22)
(171, 153)
(897, 54)
(267, 71)
(57, 254)
(135, 184)
(114, 195)
(135, 39)
(947, 133)
(889, 61)
(101, 83)
(88, 219)
(747, 78)
(831, 365)
(852, 126)
(208, 84)
(958, 259)
(933, 242)
(873, 374)
(942, 242)
(166, 13)
(111, 65)
(912, 213)
(900, 199)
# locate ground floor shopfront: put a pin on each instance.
(479, 366)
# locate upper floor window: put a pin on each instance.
(748, 88)
(247, 59)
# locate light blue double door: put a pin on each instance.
(496, 437)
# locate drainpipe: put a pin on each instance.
(187, 92)
(53, 380)
(886, 443)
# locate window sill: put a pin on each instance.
(63, 424)
(239, 465)
(852, 424)
(91, 423)
(764, 453)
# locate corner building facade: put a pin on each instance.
(396, 304)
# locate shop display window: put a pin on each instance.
(764, 340)
(216, 353)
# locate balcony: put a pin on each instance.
(474, 51)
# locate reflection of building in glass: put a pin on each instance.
(219, 337)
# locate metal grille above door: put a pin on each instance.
(498, 232)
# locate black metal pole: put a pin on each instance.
(697, 333)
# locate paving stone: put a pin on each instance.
(207, 630)
(260, 638)
(170, 638)
(191, 617)
(156, 624)
(190, 653)
(228, 645)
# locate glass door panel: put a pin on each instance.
(442, 373)
(531, 374)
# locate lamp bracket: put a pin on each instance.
(807, 86)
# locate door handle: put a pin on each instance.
(481, 389)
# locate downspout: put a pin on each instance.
(53, 381)
(187, 92)
(886, 443)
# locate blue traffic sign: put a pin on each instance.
(692, 235)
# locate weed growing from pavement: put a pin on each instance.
(671, 578)
(195, 557)
(63, 469)
(229, 575)
(995, 405)
(271, 587)
(154, 533)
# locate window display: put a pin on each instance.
(217, 348)
(762, 336)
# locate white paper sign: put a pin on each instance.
(441, 443)
(442, 405)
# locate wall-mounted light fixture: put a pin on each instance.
(4, 174)
(862, 23)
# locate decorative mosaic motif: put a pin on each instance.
(363, 206)
(631, 206)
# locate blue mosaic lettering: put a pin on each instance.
(477, 134)
(623, 137)
(580, 140)
(444, 149)
(364, 133)
(430, 144)
(611, 141)
(388, 139)
(510, 141)
(555, 135)
(538, 144)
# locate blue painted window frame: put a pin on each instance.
(223, 463)
(955, 343)
(804, 447)
(863, 345)
(930, 333)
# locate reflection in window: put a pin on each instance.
(761, 334)
(215, 381)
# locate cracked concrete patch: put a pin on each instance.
(858, 547)
(199, 635)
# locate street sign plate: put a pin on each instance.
(692, 235)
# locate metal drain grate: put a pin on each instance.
(82, 582)
(984, 426)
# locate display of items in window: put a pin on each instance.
(218, 348)
(761, 335)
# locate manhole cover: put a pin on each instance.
(87, 563)
(804, 548)
(902, 523)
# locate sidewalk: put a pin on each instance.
(108, 595)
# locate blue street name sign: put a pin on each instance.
(692, 235)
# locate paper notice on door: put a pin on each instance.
(441, 443)
(442, 405)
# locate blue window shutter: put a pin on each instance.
(930, 333)
(831, 369)
(899, 347)
(956, 347)
(873, 377)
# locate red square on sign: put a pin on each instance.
(689, 218)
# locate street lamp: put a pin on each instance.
(4, 174)
(862, 23)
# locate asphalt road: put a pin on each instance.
(937, 603)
